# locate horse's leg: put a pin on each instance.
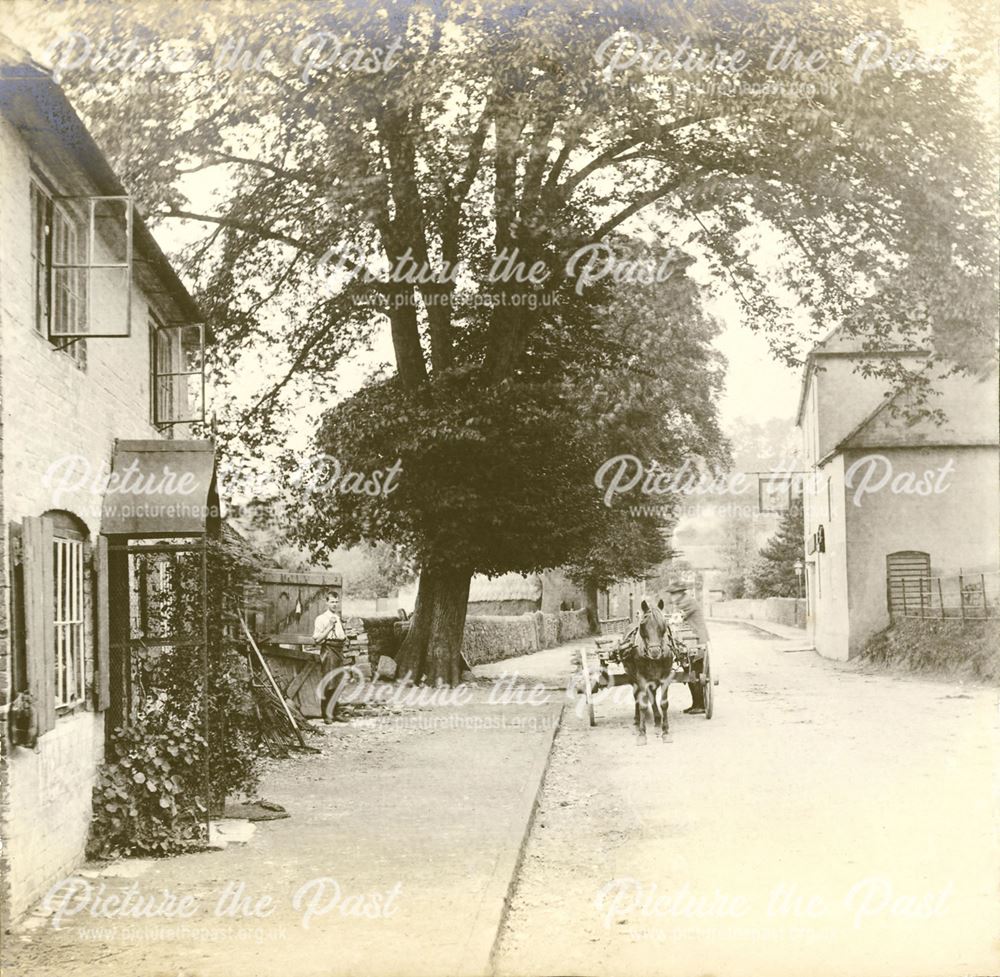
(635, 696)
(665, 686)
(642, 704)
(655, 690)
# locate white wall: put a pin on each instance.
(959, 528)
(823, 503)
(53, 409)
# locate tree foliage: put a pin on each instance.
(738, 551)
(773, 574)
(502, 131)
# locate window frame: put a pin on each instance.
(41, 217)
(157, 333)
(67, 205)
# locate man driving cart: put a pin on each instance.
(684, 604)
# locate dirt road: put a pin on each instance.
(825, 821)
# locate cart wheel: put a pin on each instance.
(707, 685)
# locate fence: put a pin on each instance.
(964, 596)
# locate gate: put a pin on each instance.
(153, 610)
(908, 582)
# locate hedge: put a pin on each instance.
(490, 639)
(573, 624)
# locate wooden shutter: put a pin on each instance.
(18, 669)
(102, 642)
(39, 615)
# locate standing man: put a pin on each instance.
(689, 608)
(329, 634)
(328, 624)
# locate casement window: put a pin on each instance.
(62, 298)
(178, 367)
(81, 251)
(69, 305)
(40, 218)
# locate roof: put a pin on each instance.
(160, 489)
(841, 342)
(508, 586)
(40, 110)
(972, 417)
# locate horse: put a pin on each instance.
(649, 666)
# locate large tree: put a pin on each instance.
(534, 129)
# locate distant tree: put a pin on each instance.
(739, 551)
(773, 574)
(262, 524)
(372, 570)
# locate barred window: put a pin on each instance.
(68, 621)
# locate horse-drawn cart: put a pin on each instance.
(609, 664)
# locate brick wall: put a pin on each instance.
(53, 409)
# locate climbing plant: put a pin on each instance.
(150, 795)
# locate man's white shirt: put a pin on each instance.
(328, 625)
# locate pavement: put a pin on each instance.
(798, 635)
(404, 837)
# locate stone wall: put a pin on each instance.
(789, 611)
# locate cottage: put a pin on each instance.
(892, 504)
(100, 371)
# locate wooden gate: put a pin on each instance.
(908, 583)
(283, 609)
(286, 604)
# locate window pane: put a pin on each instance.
(178, 356)
(110, 297)
(69, 287)
(111, 230)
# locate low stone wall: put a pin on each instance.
(492, 638)
(573, 624)
(790, 611)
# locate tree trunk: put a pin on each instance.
(432, 649)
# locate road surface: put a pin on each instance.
(825, 821)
